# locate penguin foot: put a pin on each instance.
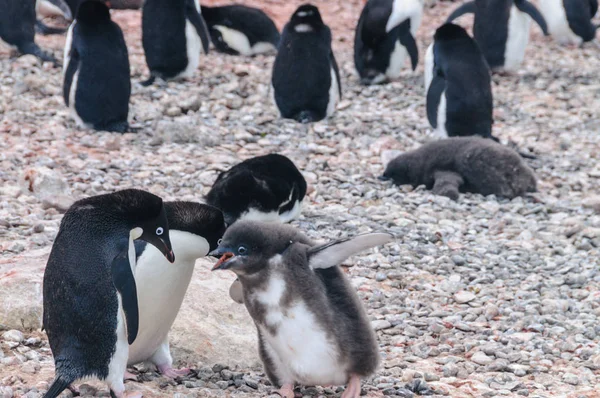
(133, 394)
(286, 391)
(168, 371)
(74, 390)
(130, 376)
(353, 389)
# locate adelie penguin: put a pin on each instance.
(501, 29)
(241, 30)
(312, 328)
(306, 80)
(385, 36)
(194, 230)
(174, 35)
(96, 85)
(90, 299)
(458, 85)
(570, 21)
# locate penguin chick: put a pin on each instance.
(264, 188)
(90, 299)
(306, 80)
(312, 328)
(194, 230)
(465, 164)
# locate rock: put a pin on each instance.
(592, 202)
(463, 297)
(380, 324)
(450, 369)
(570, 378)
(481, 359)
(30, 367)
(6, 392)
(13, 335)
(58, 202)
(184, 133)
(44, 182)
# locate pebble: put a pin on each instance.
(463, 297)
(481, 359)
(570, 378)
(381, 324)
(13, 335)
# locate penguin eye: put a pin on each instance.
(219, 242)
(242, 250)
(159, 231)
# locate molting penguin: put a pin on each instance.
(265, 188)
(238, 29)
(501, 28)
(306, 80)
(384, 36)
(173, 36)
(570, 21)
(194, 230)
(90, 300)
(458, 85)
(312, 328)
(17, 27)
(96, 70)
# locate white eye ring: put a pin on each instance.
(159, 231)
(219, 241)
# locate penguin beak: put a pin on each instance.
(224, 256)
(168, 251)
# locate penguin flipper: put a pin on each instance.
(447, 183)
(534, 13)
(335, 252)
(408, 41)
(337, 72)
(70, 73)
(467, 8)
(124, 282)
(196, 19)
(593, 8)
(434, 96)
(58, 385)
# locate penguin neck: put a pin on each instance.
(188, 246)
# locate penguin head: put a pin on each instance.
(398, 171)
(93, 11)
(306, 18)
(198, 219)
(450, 31)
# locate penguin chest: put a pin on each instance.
(441, 117)
(334, 93)
(193, 48)
(518, 37)
(397, 60)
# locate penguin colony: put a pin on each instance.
(312, 328)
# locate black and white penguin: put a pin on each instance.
(265, 188)
(173, 36)
(17, 27)
(46, 8)
(458, 85)
(312, 327)
(570, 21)
(96, 70)
(90, 299)
(238, 29)
(384, 36)
(501, 29)
(194, 230)
(305, 79)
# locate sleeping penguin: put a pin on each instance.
(194, 230)
(173, 36)
(306, 81)
(384, 36)
(241, 30)
(312, 328)
(458, 85)
(501, 29)
(90, 299)
(96, 70)
(570, 21)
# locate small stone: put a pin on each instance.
(173, 111)
(222, 384)
(523, 392)
(431, 377)
(481, 359)
(463, 297)
(570, 378)
(38, 228)
(450, 370)
(381, 324)
(30, 367)
(380, 277)
(250, 382)
(13, 335)
(458, 260)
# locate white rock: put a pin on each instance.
(44, 182)
(464, 296)
(381, 324)
(13, 335)
(481, 359)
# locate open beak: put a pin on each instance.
(224, 257)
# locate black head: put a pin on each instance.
(198, 219)
(93, 11)
(398, 171)
(450, 31)
(307, 14)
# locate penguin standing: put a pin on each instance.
(501, 29)
(384, 36)
(265, 188)
(312, 328)
(173, 36)
(90, 300)
(237, 29)
(305, 79)
(17, 27)
(570, 21)
(458, 85)
(194, 230)
(96, 70)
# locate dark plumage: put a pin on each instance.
(465, 164)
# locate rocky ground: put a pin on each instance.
(477, 298)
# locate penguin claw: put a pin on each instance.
(130, 376)
(168, 371)
(286, 391)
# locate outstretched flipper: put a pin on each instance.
(467, 8)
(434, 96)
(447, 183)
(334, 253)
(534, 13)
(196, 19)
(124, 281)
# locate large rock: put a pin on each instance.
(44, 183)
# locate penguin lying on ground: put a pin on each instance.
(17, 27)
(194, 230)
(465, 164)
(96, 70)
(237, 29)
(570, 21)
(501, 29)
(173, 36)
(45, 8)
(306, 81)
(90, 299)
(312, 328)
(384, 36)
(458, 85)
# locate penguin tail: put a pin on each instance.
(58, 385)
(148, 82)
(306, 117)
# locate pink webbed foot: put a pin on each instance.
(286, 391)
(353, 388)
(74, 390)
(168, 371)
(129, 376)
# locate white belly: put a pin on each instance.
(428, 67)
(556, 19)
(397, 60)
(518, 37)
(334, 94)
(441, 117)
(291, 214)
(194, 47)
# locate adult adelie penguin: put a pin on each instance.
(458, 85)
(570, 21)
(96, 70)
(194, 230)
(384, 36)
(173, 36)
(90, 300)
(237, 29)
(501, 29)
(312, 328)
(306, 80)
